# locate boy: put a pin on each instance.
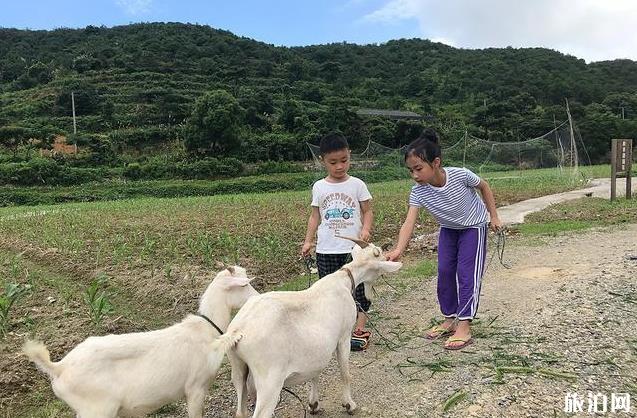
(342, 203)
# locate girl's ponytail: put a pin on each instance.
(429, 134)
(426, 147)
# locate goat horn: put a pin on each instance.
(360, 242)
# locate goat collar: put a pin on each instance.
(210, 322)
(351, 278)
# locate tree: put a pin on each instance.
(597, 127)
(622, 104)
(86, 96)
(13, 137)
(214, 124)
(38, 73)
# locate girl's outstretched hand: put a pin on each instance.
(392, 255)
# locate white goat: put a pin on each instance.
(287, 338)
(134, 374)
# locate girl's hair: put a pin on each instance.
(426, 147)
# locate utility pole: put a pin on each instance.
(574, 156)
(559, 146)
(464, 153)
(486, 130)
(73, 106)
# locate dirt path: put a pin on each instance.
(560, 321)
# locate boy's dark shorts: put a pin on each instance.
(329, 263)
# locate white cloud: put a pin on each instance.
(134, 7)
(590, 29)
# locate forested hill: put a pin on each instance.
(145, 87)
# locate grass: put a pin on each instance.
(38, 407)
(453, 400)
(579, 214)
(300, 282)
(151, 233)
(553, 227)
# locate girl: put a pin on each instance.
(449, 194)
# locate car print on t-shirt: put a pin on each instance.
(335, 213)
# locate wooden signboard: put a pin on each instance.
(621, 165)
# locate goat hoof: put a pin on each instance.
(314, 408)
(349, 408)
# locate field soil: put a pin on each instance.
(559, 322)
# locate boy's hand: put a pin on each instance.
(305, 250)
(365, 235)
(393, 255)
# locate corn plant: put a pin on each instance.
(97, 300)
(12, 292)
(15, 267)
(168, 272)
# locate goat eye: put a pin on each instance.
(376, 252)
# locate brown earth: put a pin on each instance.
(559, 321)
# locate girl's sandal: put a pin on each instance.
(463, 343)
(439, 331)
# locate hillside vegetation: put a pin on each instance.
(163, 94)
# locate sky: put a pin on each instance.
(593, 30)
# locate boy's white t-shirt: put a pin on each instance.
(340, 210)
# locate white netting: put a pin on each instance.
(374, 156)
(557, 148)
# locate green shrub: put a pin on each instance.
(15, 196)
(133, 171)
(271, 167)
(202, 169)
(44, 171)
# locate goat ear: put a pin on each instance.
(230, 269)
(389, 266)
(236, 282)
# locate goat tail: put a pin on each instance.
(222, 345)
(38, 353)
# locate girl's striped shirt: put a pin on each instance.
(456, 204)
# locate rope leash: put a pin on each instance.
(373, 326)
(299, 399)
(500, 244)
(310, 264)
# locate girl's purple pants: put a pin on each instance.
(461, 254)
